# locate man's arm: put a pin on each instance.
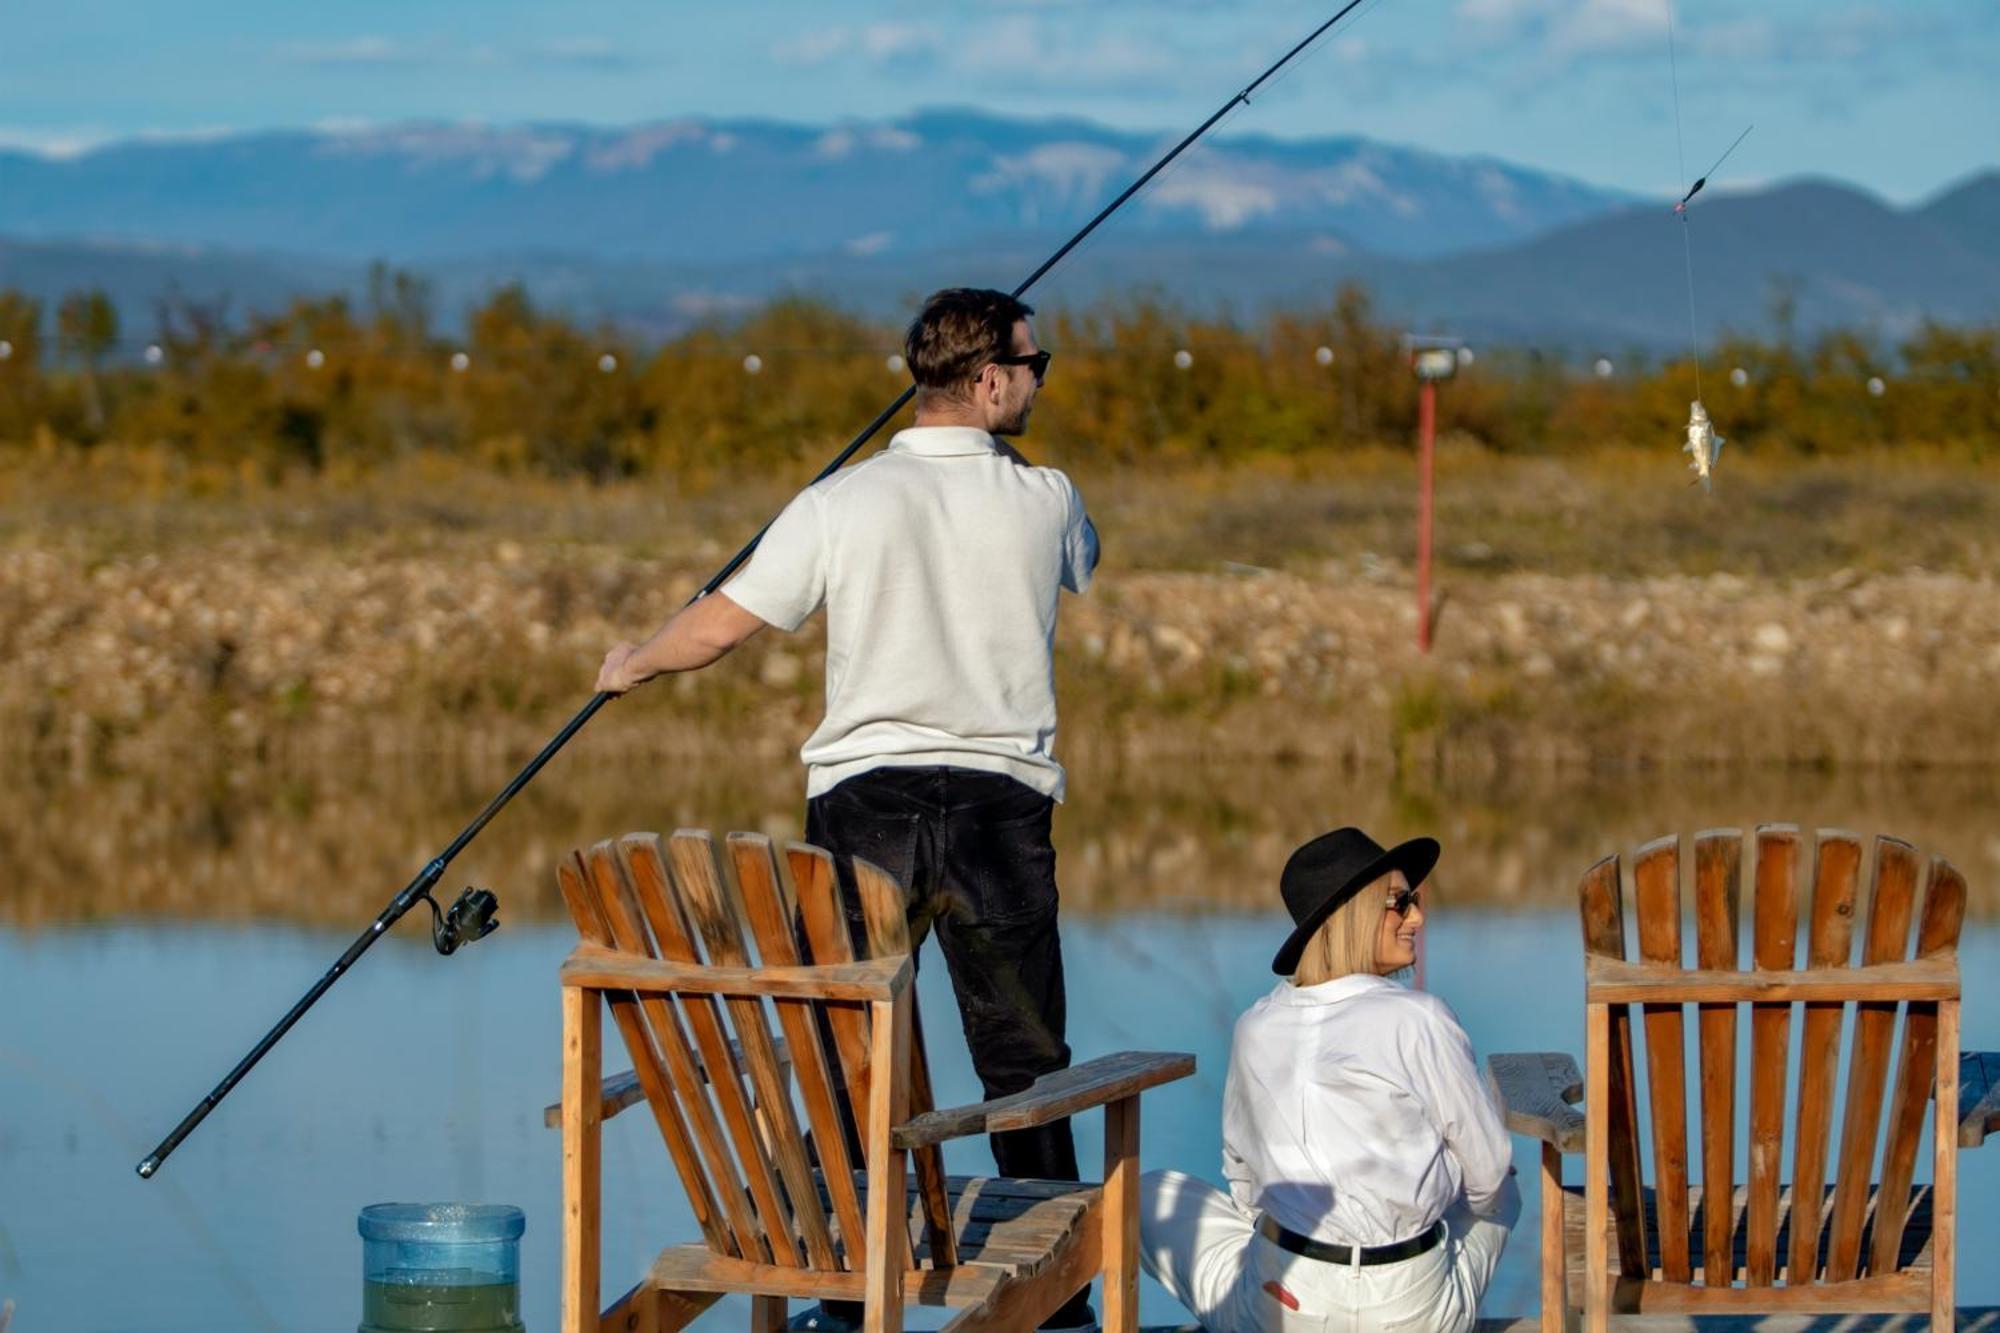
(696, 636)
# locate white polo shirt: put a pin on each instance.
(939, 562)
(1355, 1113)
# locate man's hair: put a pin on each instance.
(959, 331)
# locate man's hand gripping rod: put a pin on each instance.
(471, 917)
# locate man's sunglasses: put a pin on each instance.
(1037, 362)
(1403, 900)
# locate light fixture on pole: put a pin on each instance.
(1434, 359)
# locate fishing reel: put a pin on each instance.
(470, 918)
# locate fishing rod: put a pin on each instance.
(472, 916)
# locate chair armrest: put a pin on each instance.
(622, 1090)
(1538, 1091)
(1978, 1096)
(1108, 1078)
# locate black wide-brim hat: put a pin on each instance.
(1332, 868)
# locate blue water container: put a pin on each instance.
(441, 1268)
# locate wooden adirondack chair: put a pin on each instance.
(1872, 1242)
(782, 1216)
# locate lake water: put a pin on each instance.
(125, 994)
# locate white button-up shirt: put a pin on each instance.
(1356, 1114)
(939, 562)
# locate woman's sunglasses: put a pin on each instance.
(1036, 362)
(1403, 900)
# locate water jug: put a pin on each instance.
(441, 1268)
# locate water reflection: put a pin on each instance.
(423, 1078)
(198, 837)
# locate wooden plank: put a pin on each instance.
(1023, 1302)
(645, 865)
(1053, 1097)
(1944, 1165)
(826, 933)
(1601, 907)
(1597, 1103)
(767, 1314)
(774, 923)
(886, 923)
(1555, 1305)
(1538, 1091)
(583, 1037)
(1656, 892)
(1886, 983)
(888, 1104)
(1979, 1095)
(716, 910)
(1718, 855)
(1121, 1213)
(606, 969)
(1829, 944)
(1774, 948)
(1888, 938)
(645, 1041)
(1937, 934)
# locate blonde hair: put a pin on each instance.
(1347, 941)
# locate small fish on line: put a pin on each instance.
(1702, 442)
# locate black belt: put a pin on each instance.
(1285, 1238)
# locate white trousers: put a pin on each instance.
(1206, 1251)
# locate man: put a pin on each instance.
(940, 562)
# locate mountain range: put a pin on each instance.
(659, 225)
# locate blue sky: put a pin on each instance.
(1894, 95)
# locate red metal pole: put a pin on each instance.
(1426, 442)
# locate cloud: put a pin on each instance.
(1568, 30)
(384, 53)
(1010, 51)
(879, 44)
(365, 52)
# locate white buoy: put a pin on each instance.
(460, 362)
(1740, 378)
(1324, 356)
(752, 364)
(1603, 368)
(6, 350)
(1465, 356)
(607, 363)
(1183, 359)
(1876, 386)
(315, 359)
(895, 363)
(154, 354)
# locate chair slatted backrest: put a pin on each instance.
(710, 1065)
(1817, 1240)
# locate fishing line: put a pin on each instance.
(1680, 209)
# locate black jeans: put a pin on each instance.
(973, 854)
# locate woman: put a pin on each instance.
(1369, 1178)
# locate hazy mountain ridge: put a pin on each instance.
(723, 190)
(1609, 277)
